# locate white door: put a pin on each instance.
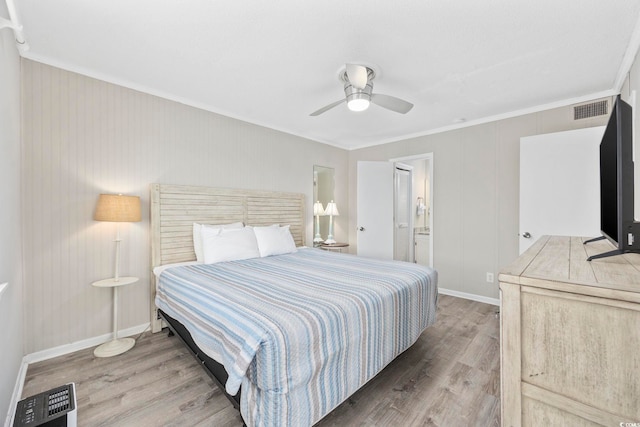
(560, 185)
(375, 209)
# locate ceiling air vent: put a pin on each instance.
(599, 108)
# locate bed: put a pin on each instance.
(288, 337)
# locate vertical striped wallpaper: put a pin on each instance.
(83, 137)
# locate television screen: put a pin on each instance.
(617, 221)
(609, 180)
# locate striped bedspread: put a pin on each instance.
(300, 332)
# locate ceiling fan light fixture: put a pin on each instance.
(358, 90)
(358, 99)
(358, 104)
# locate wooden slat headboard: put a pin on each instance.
(174, 209)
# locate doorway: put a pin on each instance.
(403, 213)
(421, 203)
(375, 208)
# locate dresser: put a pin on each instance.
(570, 336)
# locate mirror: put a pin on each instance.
(323, 185)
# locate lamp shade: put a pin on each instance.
(318, 209)
(118, 208)
(332, 209)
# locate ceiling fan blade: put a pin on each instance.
(327, 107)
(391, 103)
(357, 75)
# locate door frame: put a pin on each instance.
(430, 158)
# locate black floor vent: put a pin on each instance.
(53, 408)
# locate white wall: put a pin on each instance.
(476, 193)
(11, 318)
(83, 137)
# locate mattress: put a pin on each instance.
(300, 332)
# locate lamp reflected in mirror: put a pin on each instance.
(323, 187)
(318, 211)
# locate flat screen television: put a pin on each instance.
(617, 222)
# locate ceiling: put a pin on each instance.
(272, 63)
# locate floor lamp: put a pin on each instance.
(332, 210)
(116, 208)
(318, 211)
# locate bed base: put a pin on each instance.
(214, 369)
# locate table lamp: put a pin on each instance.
(332, 210)
(118, 208)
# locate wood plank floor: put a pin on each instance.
(450, 377)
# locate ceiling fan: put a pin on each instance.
(358, 85)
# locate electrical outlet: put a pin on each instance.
(489, 277)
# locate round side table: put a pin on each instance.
(335, 247)
(116, 345)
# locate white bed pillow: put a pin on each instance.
(219, 245)
(197, 236)
(274, 240)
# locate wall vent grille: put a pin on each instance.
(594, 109)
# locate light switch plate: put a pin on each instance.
(3, 286)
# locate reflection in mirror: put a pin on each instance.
(323, 184)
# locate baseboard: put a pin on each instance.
(81, 345)
(60, 351)
(473, 297)
(95, 341)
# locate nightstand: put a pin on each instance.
(335, 247)
(116, 345)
